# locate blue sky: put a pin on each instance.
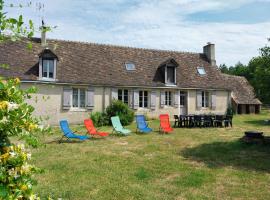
(237, 27)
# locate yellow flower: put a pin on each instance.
(17, 81)
(3, 105)
(24, 187)
(4, 157)
(31, 126)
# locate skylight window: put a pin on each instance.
(130, 66)
(201, 70)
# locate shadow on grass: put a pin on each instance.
(258, 122)
(235, 154)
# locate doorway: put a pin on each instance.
(183, 103)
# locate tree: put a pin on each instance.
(257, 72)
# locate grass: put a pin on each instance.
(188, 164)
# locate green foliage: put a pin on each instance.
(16, 116)
(257, 72)
(14, 28)
(16, 174)
(118, 108)
(99, 119)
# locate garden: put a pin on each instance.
(189, 163)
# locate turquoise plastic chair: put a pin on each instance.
(142, 126)
(117, 126)
(68, 133)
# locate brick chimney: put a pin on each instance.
(209, 51)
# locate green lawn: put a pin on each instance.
(207, 163)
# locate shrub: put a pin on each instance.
(16, 174)
(118, 108)
(99, 119)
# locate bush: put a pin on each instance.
(118, 108)
(99, 119)
(16, 174)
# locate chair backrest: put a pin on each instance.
(90, 126)
(164, 121)
(175, 117)
(141, 123)
(116, 123)
(219, 117)
(65, 127)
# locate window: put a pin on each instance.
(48, 68)
(201, 70)
(205, 99)
(168, 98)
(130, 66)
(182, 98)
(123, 96)
(78, 98)
(171, 75)
(143, 99)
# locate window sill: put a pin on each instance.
(47, 79)
(171, 84)
(78, 109)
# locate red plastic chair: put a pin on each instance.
(165, 126)
(92, 130)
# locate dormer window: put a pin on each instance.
(201, 70)
(170, 75)
(47, 65)
(48, 68)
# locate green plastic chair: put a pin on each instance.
(117, 126)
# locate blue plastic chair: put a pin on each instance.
(68, 133)
(142, 126)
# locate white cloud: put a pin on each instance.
(155, 24)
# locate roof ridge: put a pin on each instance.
(121, 46)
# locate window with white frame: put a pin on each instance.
(143, 99)
(123, 95)
(168, 98)
(78, 98)
(170, 75)
(48, 68)
(205, 99)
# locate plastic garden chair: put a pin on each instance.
(117, 126)
(69, 134)
(92, 130)
(165, 126)
(142, 126)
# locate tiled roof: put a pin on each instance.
(89, 63)
(242, 91)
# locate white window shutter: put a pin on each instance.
(67, 92)
(213, 100)
(135, 99)
(130, 100)
(162, 99)
(153, 100)
(90, 96)
(199, 99)
(177, 98)
(114, 94)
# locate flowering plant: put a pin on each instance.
(15, 114)
(16, 119)
(16, 173)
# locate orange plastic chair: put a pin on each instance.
(165, 126)
(92, 130)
